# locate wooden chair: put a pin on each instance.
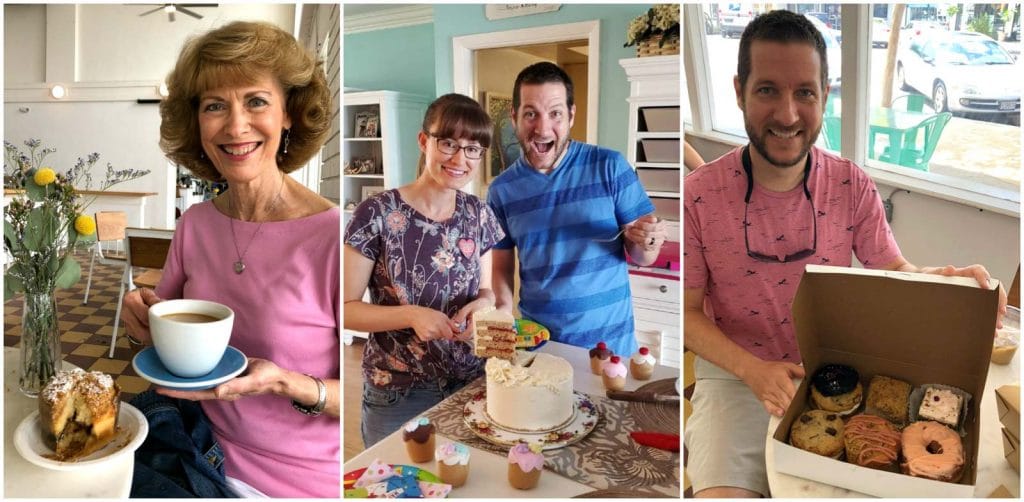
(110, 226)
(147, 248)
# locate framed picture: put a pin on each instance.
(505, 148)
(367, 124)
(370, 191)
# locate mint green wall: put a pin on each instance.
(397, 59)
(456, 20)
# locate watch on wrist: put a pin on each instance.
(321, 401)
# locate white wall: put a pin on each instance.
(933, 231)
(108, 57)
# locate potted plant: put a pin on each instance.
(656, 32)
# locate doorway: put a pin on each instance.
(485, 67)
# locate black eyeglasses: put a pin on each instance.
(799, 255)
(449, 146)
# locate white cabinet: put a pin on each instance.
(655, 147)
(656, 303)
(379, 131)
(655, 151)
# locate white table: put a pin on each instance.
(993, 469)
(23, 479)
(488, 472)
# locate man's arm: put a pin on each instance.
(503, 272)
(770, 381)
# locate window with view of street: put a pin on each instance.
(944, 87)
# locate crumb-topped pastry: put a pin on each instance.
(887, 397)
(78, 412)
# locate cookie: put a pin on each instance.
(887, 398)
(820, 432)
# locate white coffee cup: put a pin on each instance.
(190, 336)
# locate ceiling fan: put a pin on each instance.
(171, 9)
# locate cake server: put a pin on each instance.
(642, 396)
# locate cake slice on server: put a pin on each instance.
(494, 334)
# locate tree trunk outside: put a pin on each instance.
(890, 57)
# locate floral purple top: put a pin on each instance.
(419, 261)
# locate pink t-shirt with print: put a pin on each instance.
(750, 300)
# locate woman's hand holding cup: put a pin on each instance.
(135, 312)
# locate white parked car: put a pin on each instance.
(962, 72)
(832, 50)
(734, 18)
(879, 32)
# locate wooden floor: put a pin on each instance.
(352, 397)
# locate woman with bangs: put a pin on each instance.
(423, 250)
(246, 106)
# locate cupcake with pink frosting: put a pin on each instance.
(641, 365)
(613, 374)
(525, 463)
(452, 463)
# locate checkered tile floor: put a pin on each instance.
(86, 329)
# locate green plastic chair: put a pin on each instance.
(832, 127)
(913, 154)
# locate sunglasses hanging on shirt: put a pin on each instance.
(767, 258)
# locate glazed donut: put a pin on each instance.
(836, 388)
(932, 450)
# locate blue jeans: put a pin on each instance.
(385, 411)
(180, 457)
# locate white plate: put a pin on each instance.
(583, 422)
(131, 431)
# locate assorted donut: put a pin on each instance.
(886, 433)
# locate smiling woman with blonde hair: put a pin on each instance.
(247, 105)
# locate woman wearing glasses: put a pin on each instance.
(423, 250)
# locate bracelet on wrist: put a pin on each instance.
(321, 402)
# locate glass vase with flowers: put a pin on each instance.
(44, 221)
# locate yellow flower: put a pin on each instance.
(85, 225)
(44, 176)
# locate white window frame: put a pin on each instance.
(856, 26)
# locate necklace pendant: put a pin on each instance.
(239, 267)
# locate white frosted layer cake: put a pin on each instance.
(531, 393)
(494, 334)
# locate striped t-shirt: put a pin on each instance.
(576, 287)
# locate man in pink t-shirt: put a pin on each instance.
(753, 219)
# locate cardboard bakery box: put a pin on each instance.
(1008, 406)
(920, 328)
(1011, 449)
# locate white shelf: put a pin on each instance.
(393, 152)
(669, 195)
(658, 135)
(658, 165)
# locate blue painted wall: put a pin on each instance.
(397, 59)
(456, 20)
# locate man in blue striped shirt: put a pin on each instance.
(553, 203)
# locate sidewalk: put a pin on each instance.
(982, 151)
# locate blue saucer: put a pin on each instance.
(149, 367)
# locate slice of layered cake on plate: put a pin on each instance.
(494, 334)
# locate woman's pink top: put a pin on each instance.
(287, 310)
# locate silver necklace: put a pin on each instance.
(240, 264)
